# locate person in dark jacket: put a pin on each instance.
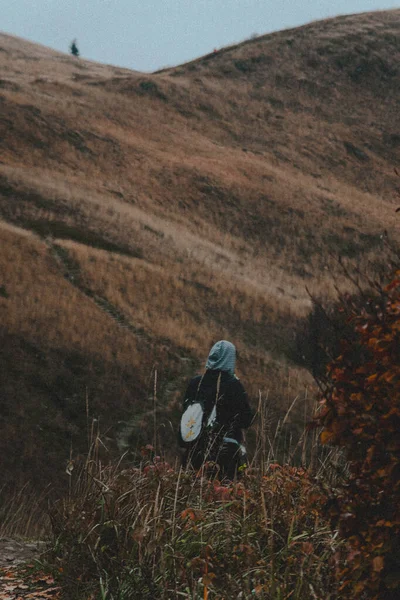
(220, 387)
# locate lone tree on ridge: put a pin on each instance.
(74, 48)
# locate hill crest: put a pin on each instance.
(145, 216)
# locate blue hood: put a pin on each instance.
(222, 357)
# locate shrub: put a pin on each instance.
(153, 532)
(361, 413)
(150, 88)
(318, 337)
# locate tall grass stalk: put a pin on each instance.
(148, 530)
(23, 513)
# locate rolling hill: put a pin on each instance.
(145, 216)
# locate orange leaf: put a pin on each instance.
(372, 378)
(188, 513)
(307, 547)
(326, 437)
(378, 563)
(208, 577)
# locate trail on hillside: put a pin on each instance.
(73, 274)
(206, 202)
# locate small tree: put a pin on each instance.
(360, 412)
(74, 48)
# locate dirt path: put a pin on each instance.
(72, 273)
(20, 577)
(16, 552)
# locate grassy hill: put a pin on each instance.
(145, 216)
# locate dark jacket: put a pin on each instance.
(233, 410)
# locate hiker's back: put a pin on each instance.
(199, 411)
(226, 412)
(215, 410)
(232, 409)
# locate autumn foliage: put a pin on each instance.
(361, 413)
(154, 532)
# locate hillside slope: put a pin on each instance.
(142, 217)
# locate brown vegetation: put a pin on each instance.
(154, 531)
(145, 216)
(360, 412)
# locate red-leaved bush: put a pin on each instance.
(361, 413)
(155, 533)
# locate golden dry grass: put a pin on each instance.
(196, 203)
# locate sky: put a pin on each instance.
(146, 35)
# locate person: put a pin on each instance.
(220, 387)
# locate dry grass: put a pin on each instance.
(151, 530)
(24, 513)
(42, 305)
(193, 204)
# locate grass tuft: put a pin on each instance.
(151, 530)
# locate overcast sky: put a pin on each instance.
(150, 34)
